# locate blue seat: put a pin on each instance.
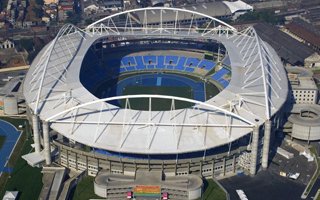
(206, 64)
(171, 60)
(180, 68)
(128, 61)
(192, 62)
(219, 74)
(189, 69)
(151, 66)
(122, 70)
(150, 60)
(130, 68)
(170, 67)
(160, 64)
(182, 61)
(140, 64)
(224, 83)
(180, 64)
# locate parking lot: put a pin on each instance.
(269, 184)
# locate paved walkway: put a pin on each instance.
(9, 69)
(12, 135)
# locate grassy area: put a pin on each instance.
(157, 104)
(84, 189)
(319, 195)
(314, 178)
(213, 191)
(25, 179)
(108, 89)
(2, 139)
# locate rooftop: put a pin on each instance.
(303, 83)
(213, 9)
(61, 95)
(287, 48)
(305, 31)
(301, 78)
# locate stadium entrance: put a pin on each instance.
(170, 84)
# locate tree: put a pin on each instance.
(73, 18)
(40, 2)
(88, 21)
(265, 16)
(38, 12)
(27, 44)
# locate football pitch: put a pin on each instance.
(158, 104)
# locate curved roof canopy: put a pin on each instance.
(257, 90)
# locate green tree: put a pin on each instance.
(88, 21)
(27, 44)
(38, 12)
(40, 2)
(73, 18)
(265, 16)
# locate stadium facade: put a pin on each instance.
(213, 137)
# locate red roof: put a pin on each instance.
(303, 33)
(67, 7)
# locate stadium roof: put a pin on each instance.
(257, 90)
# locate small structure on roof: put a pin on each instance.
(7, 44)
(312, 61)
(10, 195)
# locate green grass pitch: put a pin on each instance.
(157, 104)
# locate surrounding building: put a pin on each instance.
(7, 44)
(304, 122)
(303, 87)
(304, 32)
(92, 7)
(51, 2)
(219, 9)
(291, 51)
(312, 61)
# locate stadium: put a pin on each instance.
(189, 95)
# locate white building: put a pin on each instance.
(7, 44)
(312, 61)
(51, 2)
(304, 89)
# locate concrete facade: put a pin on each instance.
(254, 150)
(46, 142)
(112, 186)
(266, 144)
(217, 166)
(303, 87)
(36, 134)
(304, 122)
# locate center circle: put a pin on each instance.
(170, 84)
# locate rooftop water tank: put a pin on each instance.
(10, 105)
